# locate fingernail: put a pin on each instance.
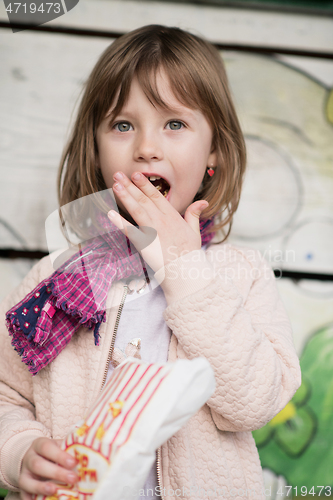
(71, 478)
(137, 176)
(118, 175)
(70, 462)
(49, 488)
(117, 186)
(112, 214)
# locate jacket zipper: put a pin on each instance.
(159, 482)
(113, 340)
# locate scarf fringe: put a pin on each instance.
(90, 321)
(28, 359)
(87, 320)
(20, 344)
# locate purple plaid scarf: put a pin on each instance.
(43, 323)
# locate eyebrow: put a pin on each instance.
(186, 113)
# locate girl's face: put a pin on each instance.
(174, 144)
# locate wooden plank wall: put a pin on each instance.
(42, 75)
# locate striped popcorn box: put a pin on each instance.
(141, 406)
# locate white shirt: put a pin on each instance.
(142, 317)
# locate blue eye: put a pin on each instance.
(122, 126)
(175, 125)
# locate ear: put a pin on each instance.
(212, 158)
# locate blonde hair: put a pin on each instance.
(198, 80)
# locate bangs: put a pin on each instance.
(179, 79)
(180, 83)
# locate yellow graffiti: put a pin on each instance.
(329, 107)
(116, 408)
(286, 414)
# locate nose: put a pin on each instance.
(148, 147)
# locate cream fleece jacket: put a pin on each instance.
(223, 304)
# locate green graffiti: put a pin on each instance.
(294, 427)
(298, 442)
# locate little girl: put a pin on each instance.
(157, 125)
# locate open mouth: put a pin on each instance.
(161, 184)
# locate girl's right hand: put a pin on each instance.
(43, 463)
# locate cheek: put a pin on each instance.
(192, 154)
(107, 172)
(108, 163)
(198, 164)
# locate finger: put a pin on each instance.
(25, 496)
(136, 209)
(44, 469)
(145, 240)
(193, 212)
(141, 200)
(153, 255)
(141, 237)
(50, 450)
(140, 185)
(149, 190)
(30, 486)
